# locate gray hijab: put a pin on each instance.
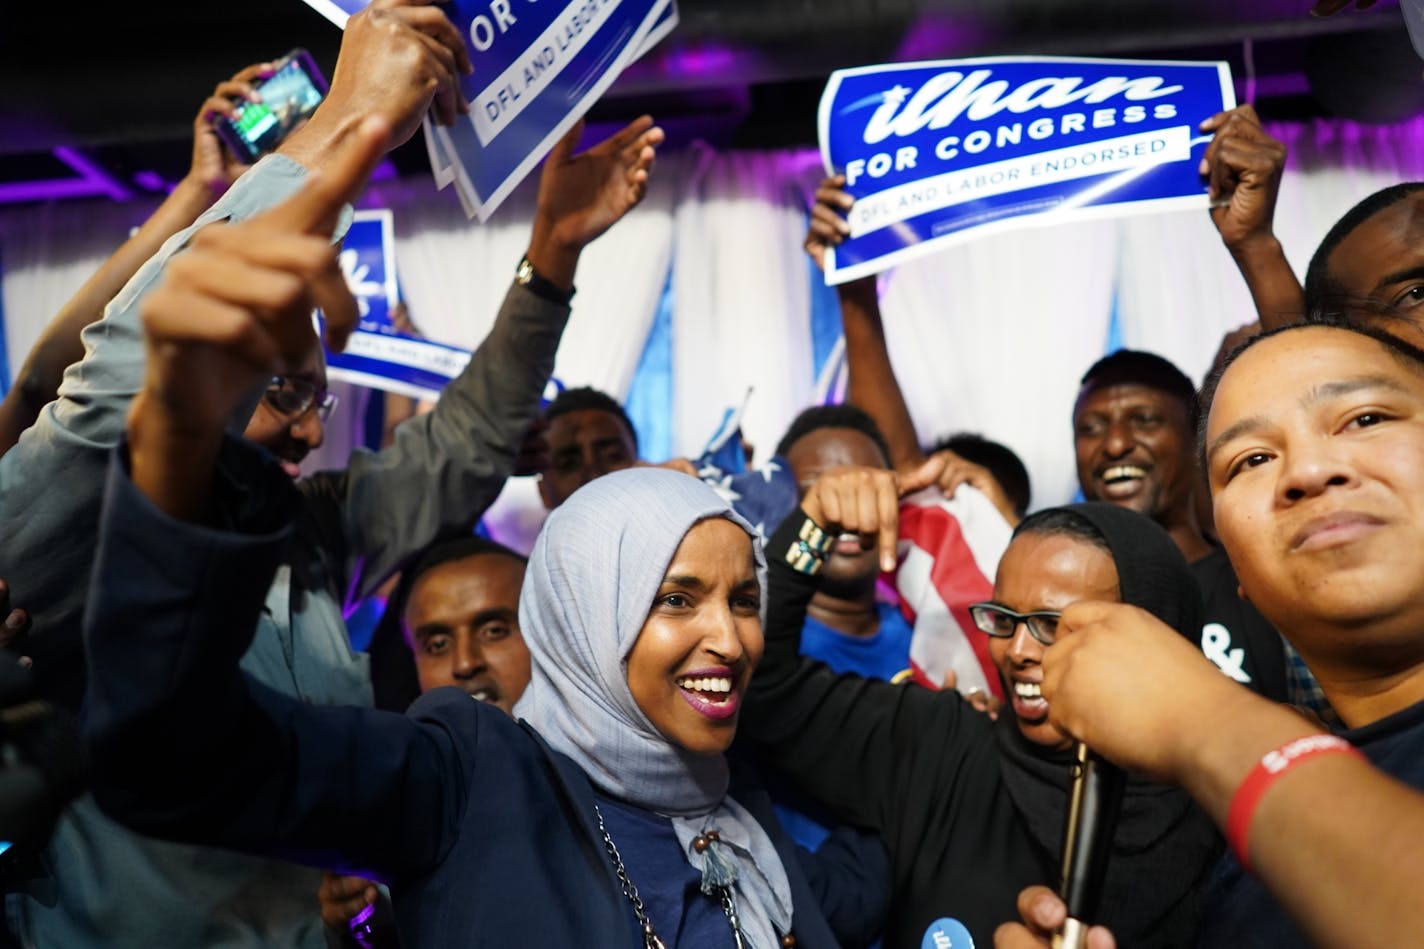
(592, 577)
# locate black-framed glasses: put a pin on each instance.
(1001, 621)
(294, 396)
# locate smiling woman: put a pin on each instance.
(694, 656)
(603, 811)
(970, 808)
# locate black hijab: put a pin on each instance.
(1164, 846)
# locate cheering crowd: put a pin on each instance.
(833, 705)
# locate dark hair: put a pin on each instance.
(587, 397)
(1065, 523)
(833, 416)
(1406, 354)
(1006, 467)
(1320, 287)
(1135, 367)
(393, 679)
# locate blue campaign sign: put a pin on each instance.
(939, 152)
(380, 354)
(538, 68)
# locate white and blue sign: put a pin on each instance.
(939, 152)
(947, 933)
(538, 69)
(539, 66)
(379, 353)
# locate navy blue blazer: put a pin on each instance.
(485, 835)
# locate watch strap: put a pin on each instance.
(525, 275)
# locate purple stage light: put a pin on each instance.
(706, 59)
(152, 181)
(103, 182)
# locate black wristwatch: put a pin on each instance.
(526, 276)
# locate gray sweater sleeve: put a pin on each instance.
(448, 465)
(52, 480)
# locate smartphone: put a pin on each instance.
(293, 91)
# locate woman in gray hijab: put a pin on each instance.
(603, 813)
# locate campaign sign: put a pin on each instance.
(939, 152)
(539, 66)
(379, 354)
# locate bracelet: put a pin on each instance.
(808, 553)
(541, 286)
(816, 539)
(1272, 765)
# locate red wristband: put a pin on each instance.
(1272, 765)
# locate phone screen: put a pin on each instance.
(289, 95)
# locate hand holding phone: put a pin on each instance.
(284, 100)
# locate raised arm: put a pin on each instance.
(1243, 166)
(846, 740)
(871, 382)
(231, 313)
(387, 66)
(193, 528)
(212, 171)
(1346, 875)
(445, 467)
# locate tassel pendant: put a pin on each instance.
(718, 872)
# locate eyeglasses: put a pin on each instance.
(294, 396)
(1001, 621)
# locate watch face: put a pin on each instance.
(525, 272)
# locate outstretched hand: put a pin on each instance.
(1242, 166)
(235, 309)
(866, 501)
(214, 165)
(582, 195)
(399, 60)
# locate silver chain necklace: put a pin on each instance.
(630, 890)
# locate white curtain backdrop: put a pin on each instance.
(47, 251)
(742, 296)
(1179, 291)
(989, 336)
(992, 336)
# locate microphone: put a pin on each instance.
(1093, 807)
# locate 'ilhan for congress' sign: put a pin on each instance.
(938, 152)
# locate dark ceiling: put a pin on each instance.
(105, 94)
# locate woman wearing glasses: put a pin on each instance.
(972, 808)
